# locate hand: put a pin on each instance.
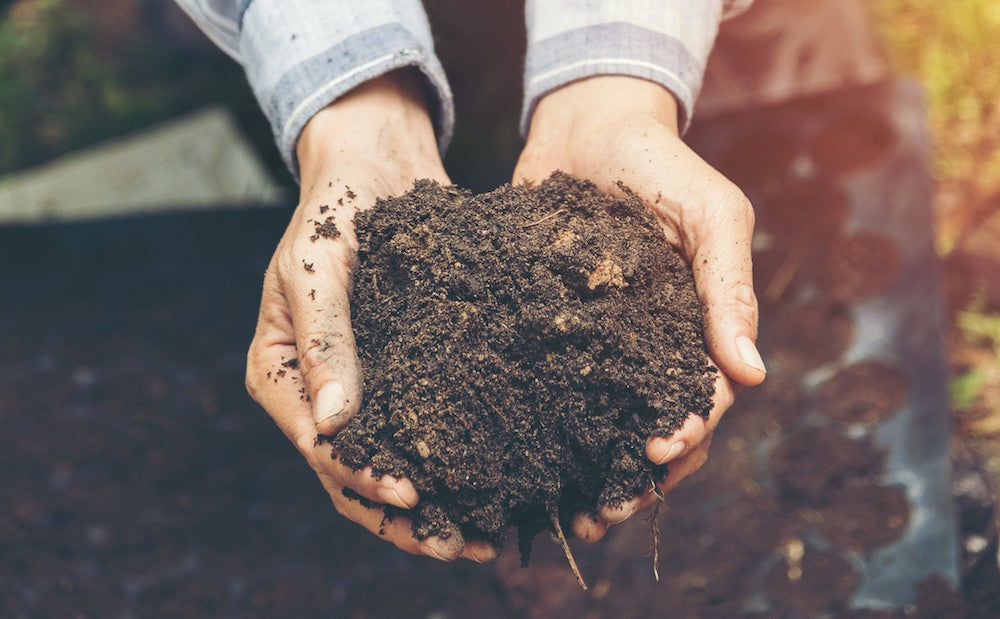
(302, 366)
(610, 128)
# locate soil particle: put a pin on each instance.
(519, 347)
(866, 392)
(326, 230)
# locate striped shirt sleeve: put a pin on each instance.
(664, 41)
(300, 55)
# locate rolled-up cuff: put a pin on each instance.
(299, 67)
(615, 48)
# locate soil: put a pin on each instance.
(519, 348)
(864, 516)
(758, 160)
(810, 464)
(806, 213)
(811, 582)
(864, 264)
(866, 392)
(806, 337)
(193, 596)
(766, 410)
(853, 142)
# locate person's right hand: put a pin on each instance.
(302, 366)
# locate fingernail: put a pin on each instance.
(393, 497)
(330, 403)
(389, 495)
(483, 554)
(673, 451)
(749, 355)
(430, 549)
(622, 512)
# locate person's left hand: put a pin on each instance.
(610, 128)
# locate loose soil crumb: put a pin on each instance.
(326, 230)
(519, 347)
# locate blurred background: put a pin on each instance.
(122, 108)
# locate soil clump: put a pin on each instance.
(519, 347)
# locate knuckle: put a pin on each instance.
(314, 358)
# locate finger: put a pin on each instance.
(283, 396)
(385, 489)
(723, 276)
(679, 470)
(615, 514)
(695, 431)
(398, 530)
(273, 385)
(588, 528)
(479, 551)
(316, 282)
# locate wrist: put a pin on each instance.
(614, 100)
(384, 121)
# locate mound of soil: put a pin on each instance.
(866, 392)
(811, 463)
(519, 347)
(809, 583)
(806, 337)
(864, 264)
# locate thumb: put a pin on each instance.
(723, 275)
(327, 359)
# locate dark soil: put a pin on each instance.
(519, 348)
(865, 392)
(853, 142)
(761, 158)
(803, 338)
(805, 213)
(768, 409)
(864, 264)
(812, 583)
(864, 517)
(810, 464)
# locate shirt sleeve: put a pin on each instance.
(300, 55)
(664, 41)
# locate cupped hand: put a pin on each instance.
(302, 366)
(613, 128)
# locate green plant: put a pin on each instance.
(951, 48)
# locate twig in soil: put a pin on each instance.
(569, 553)
(546, 218)
(655, 531)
